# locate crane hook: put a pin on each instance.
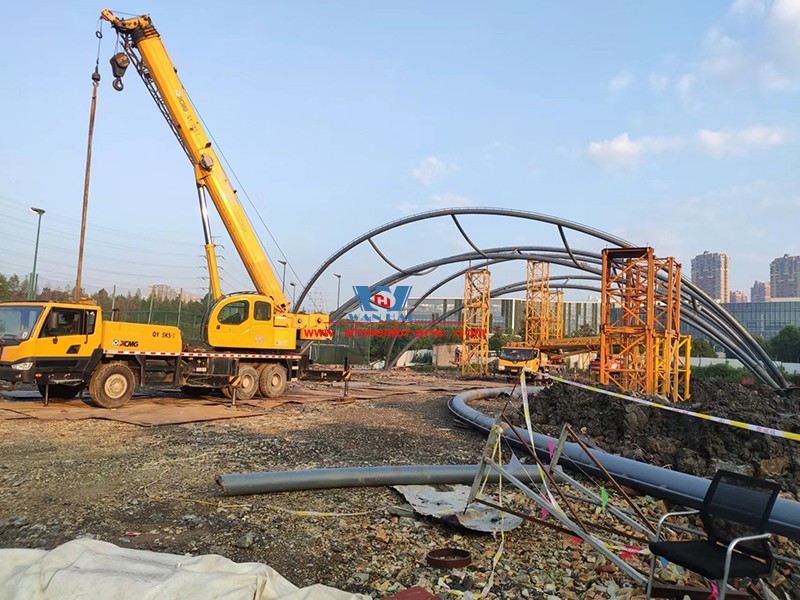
(119, 64)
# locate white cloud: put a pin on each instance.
(724, 63)
(726, 143)
(767, 58)
(716, 143)
(784, 27)
(622, 151)
(620, 82)
(725, 57)
(785, 19)
(748, 8)
(431, 170)
(684, 88)
(773, 80)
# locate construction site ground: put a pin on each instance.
(153, 487)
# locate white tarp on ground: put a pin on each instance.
(91, 569)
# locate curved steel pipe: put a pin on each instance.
(681, 488)
(499, 292)
(444, 212)
(719, 324)
(508, 252)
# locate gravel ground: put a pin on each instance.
(154, 489)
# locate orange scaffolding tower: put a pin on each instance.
(474, 345)
(537, 303)
(555, 326)
(641, 348)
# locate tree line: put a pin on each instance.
(784, 347)
(140, 307)
(13, 288)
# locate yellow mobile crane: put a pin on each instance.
(65, 347)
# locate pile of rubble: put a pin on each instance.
(683, 442)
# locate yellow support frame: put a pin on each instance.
(537, 303)
(682, 368)
(555, 326)
(475, 347)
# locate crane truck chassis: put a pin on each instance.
(65, 348)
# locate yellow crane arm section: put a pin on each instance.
(578, 344)
(160, 76)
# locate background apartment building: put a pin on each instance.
(738, 297)
(760, 292)
(784, 277)
(711, 273)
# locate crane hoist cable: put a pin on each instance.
(252, 204)
(87, 175)
(119, 63)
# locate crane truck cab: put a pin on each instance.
(64, 347)
(513, 359)
(249, 321)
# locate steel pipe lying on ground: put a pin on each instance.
(321, 479)
(674, 486)
(680, 488)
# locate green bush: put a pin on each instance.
(720, 372)
(423, 358)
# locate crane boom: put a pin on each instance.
(143, 45)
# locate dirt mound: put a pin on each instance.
(682, 442)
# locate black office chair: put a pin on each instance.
(735, 513)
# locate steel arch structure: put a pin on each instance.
(698, 309)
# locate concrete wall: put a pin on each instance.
(444, 355)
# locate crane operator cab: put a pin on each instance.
(513, 359)
(249, 321)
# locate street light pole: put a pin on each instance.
(338, 288)
(283, 277)
(32, 284)
(294, 289)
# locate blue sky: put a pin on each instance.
(668, 124)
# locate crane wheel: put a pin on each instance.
(112, 385)
(272, 382)
(62, 391)
(248, 384)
